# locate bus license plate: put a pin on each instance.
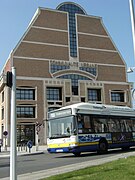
(59, 150)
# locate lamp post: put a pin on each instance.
(13, 153)
(132, 14)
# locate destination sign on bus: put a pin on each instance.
(60, 113)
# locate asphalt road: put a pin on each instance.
(33, 163)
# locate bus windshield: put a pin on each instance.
(61, 127)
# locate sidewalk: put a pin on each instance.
(24, 151)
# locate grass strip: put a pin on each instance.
(116, 170)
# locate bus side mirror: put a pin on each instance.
(68, 130)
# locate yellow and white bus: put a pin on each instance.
(85, 127)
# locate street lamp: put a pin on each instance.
(130, 69)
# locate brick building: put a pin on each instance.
(65, 56)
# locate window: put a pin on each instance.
(75, 90)
(61, 127)
(94, 94)
(55, 67)
(72, 9)
(2, 113)
(25, 133)
(112, 124)
(54, 93)
(67, 99)
(74, 80)
(25, 112)
(25, 94)
(85, 124)
(82, 99)
(91, 70)
(2, 129)
(100, 123)
(121, 124)
(52, 108)
(117, 96)
(3, 96)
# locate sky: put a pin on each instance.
(15, 16)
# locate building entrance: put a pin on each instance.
(25, 133)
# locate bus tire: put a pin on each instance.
(77, 154)
(103, 147)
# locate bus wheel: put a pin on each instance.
(102, 147)
(77, 154)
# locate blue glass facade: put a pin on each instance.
(55, 67)
(91, 70)
(72, 9)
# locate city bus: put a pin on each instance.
(85, 127)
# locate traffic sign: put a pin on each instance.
(5, 133)
(29, 144)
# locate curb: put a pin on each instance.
(5, 154)
(33, 153)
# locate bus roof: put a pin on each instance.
(101, 109)
(92, 105)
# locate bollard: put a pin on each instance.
(1, 144)
(18, 147)
(26, 148)
(21, 146)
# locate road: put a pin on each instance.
(32, 163)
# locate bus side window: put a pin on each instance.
(133, 128)
(80, 122)
(104, 127)
(122, 125)
(129, 125)
(97, 125)
(114, 125)
(101, 124)
(111, 125)
(88, 124)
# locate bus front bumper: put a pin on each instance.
(71, 149)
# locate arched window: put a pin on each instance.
(72, 9)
